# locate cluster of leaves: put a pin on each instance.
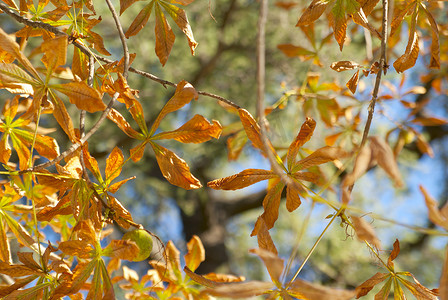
(76, 199)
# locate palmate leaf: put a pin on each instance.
(163, 32)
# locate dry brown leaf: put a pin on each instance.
(271, 204)
(365, 231)
(384, 155)
(241, 290)
(435, 50)
(251, 127)
(241, 180)
(201, 279)
(393, 255)
(362, 163)
(224, 278)
(438, 217)
(312, 291)
(121, 122)
(114, 164)
(273, 263)
(344, 65)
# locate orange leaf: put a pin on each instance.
(140, 21)
(312, 291)
(252, 128)
(429, 121)
(362, 163)
(365, 231)
(5, 250)
(114, 164)
(365, 287)
(116, 186)
(241, 180)
(320, 156)
(344, 65)
(393, 255)
(305, 133)
(201, 279)
(122, 249)
(5, 149)
(352, 84)
(62, 117)
(121, 122)
(224, 277)
(124, 4)
(436, 215)
(292, 198)
(339, 21)
(8, 44)
(408, 59)
(271, 205)
(164, 36)
(313, 12)
(175, 169)
(55, 50)
(75, 248)
(435, 51)
(180, 17)
(264, 238)
(295, 51)
(82, 95)
(184, 93)
(196, 253)
(273, 263)
(196, 130)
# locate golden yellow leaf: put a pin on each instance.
(385, 158)
(114, 164)
(175, 169)
(196, 253)
(201, 279)
(252, 129)
(224, 277)
(121, 122)
(75, 248)
(241, 180)
(55, 50)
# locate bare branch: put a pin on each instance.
(122, 38)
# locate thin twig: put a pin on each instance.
(382, 68)
(85, 50)
(122, 38)
(261, 43)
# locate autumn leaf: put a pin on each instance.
(82, 95)
(352, 84)
(344, 65)
(365, 287)
(196, 130)
(408, 59)
(436, 215)
(313, 12)
(241, 180)
(365, 231)
(312, 291)
(175, 169)
(195, 254)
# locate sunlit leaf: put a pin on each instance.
(264, 238)
(408, 59)
(352, 84)
(273, 263)
(241, 180)
(164, 36)
(365, 231)
(175, 169)
(196, 130)
(436, 215)
(114, 164)
(305, 133)
(196, 253)
(344, 65)
(313, 12)
(313, 291)
(365, 287)
(184, 93)
(82, 95)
